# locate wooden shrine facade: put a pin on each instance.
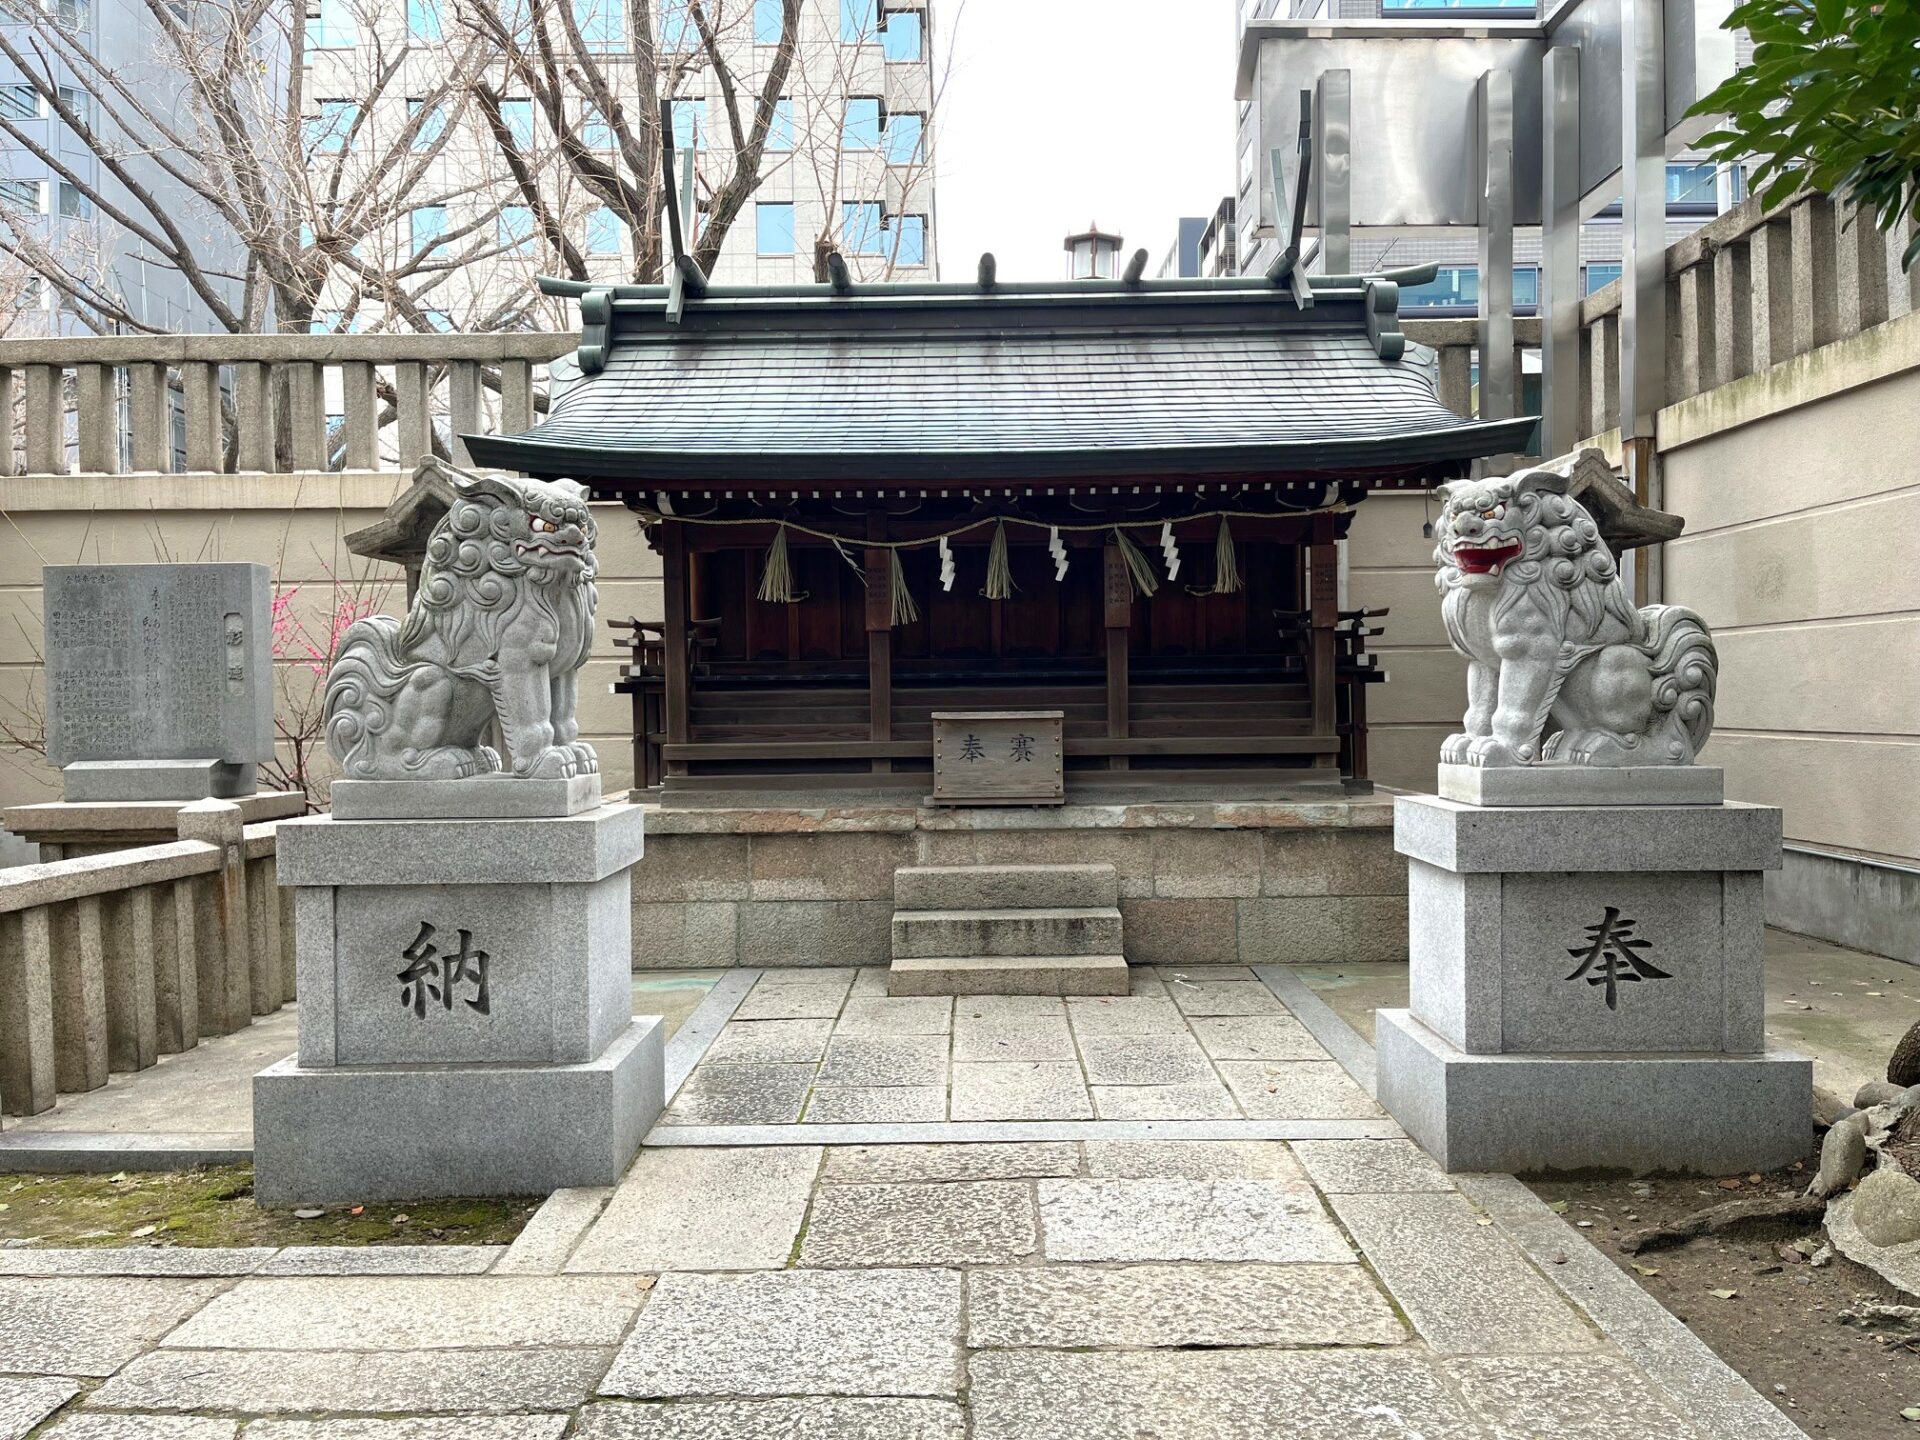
(1119, 500)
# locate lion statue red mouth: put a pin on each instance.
(1485, 559)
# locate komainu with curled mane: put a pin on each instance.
(500, 627)
(1561, 666)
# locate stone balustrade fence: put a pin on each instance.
(1751, 289)
(108, 962)
(107, 405)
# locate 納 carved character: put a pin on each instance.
(1561, 666)
(500, 627)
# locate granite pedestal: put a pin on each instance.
(466, 1020)
(1587, 989)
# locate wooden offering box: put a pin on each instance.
(998, 757)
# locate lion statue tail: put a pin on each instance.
(1686, 669)
(366, 677)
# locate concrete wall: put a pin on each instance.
(1390, 563)
(295, 524)
(1199, 884)
(1801, 488)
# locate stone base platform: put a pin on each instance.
(181, 780)
(330, 1136)
(1532, 1113)
(1201, 880)
(1583, 784)
(66, 830)
(480, 797)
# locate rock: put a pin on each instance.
(1877, 1092)
(1904, 1068)
(1829, 1108)
(1886, 1207)
(1843, 1155)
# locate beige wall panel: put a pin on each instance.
(1406, 757)
(1422, 687)
(20, 627)
(1386, 530)
(1859, 559)
(1861, 442)
(1860, 676)
(1852, 793)
(1410, 594)
(622, 547)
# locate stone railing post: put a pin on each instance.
(27, 1082)
(225, 960)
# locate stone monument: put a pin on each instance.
(159, 693)
(159, 679)
(1586, 935)
(462, 918)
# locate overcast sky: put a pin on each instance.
(1057, 113)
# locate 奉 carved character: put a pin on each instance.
(1561, 666)
(500, 626)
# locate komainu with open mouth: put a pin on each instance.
(1561, 666)
(500, 626)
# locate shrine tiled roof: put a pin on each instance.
(915, 384)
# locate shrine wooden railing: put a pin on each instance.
(108, 962)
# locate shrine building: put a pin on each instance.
(1108, 505)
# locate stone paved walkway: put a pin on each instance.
(1207, 1042)
(1100, 1287)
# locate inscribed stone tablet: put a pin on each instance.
(159, 662)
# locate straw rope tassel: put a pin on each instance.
(1137, 565)
(1226, 567)
(905, 612)
(1000, 584)
(776, 585)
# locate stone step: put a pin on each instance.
(1004, 887)
(1010, 975)
(1089, 930)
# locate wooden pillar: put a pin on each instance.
(673, 574)
(1118, 588)
(879, 571)
(1323, 615)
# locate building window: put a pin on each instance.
(780, 126)
(517, 17)
(689, 124)
(1526, 287)
(78, 104)
(517, 116)
(19, 102)
(910, 240)
(769, 22)
(515, 230)
(327, 132)
(427, 225)
(603, 231)
(906, 137)
(74, 14)
(423, 20)
(861, 229)
(595, 132)
(1693, 188)
(859, 20)
(439, 320)
(330, 26)
(431, 128)
(603, 24)
(902, 39)
(678, 33)
(861, 128)
(29, 196)
(324, 322)
(773, 227)
(1599, 276)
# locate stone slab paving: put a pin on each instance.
(1115, 1282)
(1190, 1043)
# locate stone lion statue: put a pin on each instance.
(1561, 666)
(499, 628)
